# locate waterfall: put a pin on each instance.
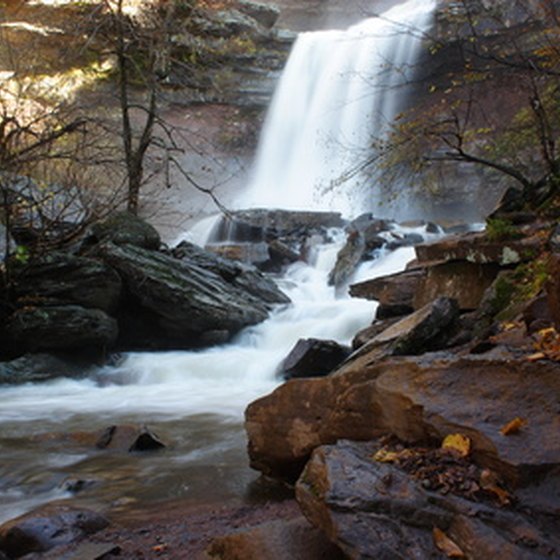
(339, 90)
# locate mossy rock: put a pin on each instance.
(126, 228)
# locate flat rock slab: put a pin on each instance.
(417, 400)
(476, 248)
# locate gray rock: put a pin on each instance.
(36, 329)
(174, 302)
(125, 228)
(348, 259)
(60, 278)
(48, 527)
(32, 368)
(238, 274)
(312, 357)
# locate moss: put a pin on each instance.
(498, 229)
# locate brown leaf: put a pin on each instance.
(514, 426)
(536, 357)
(489, 482)
(446, 545)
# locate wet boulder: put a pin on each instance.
(348, 259)
(48, 527)
(422, 331)
(64, 327)
(125, 228)
(312, 357)
(129, 438)
(177, 303)
(61, 278)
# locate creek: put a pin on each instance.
(195, 400)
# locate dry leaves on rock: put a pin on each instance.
(547, 345)
(446, 545)
(489, 481)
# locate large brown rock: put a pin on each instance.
(418, 400)
(395, 293)
(375, 510)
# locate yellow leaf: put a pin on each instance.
(536, 357)
(514, 426)
(386, 456)
(446, 545)
(457, 442)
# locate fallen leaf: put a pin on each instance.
(458, 443)
(386, 456)
(489, 482)
(514, 426)
(446, 545)
(536, 357)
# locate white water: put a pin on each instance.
(339, 90)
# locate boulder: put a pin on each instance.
(125, 228)
(417, 400)
(476, 248)
(367, 334)
(237, 273)
(312, 357)
(33, 368)
(348, 259)
(372, 509)
(423, 330)
(66, 327)
(47, 527)
(61, 279)
(395, 292)
(176, 303)
(295, 539)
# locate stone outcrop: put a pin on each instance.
(33, 368)
(175, 302)
(417, 399)
(61, 279)
(375, 510)
(47, 528)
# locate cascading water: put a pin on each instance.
(195, 400)
(339, 90)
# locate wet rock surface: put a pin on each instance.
(377, 510)
(416, 399)
(33, 368)
(48, 527)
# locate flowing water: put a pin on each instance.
(339, 90)
(195, 400)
